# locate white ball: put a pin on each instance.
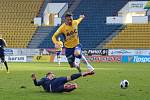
(124, 84)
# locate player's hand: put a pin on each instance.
(82, 16)
(33, 76)
(57, 45)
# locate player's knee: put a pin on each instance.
(77, 53)
(74, 86)
(71, 86)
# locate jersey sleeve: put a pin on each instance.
(58, 32)
(38, 82)
(61, 44)
(79, 20)
(4, 42)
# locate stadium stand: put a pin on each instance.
(16, 22)
(17, 27)
(42, 34)
(47, 30)
(133, 36)
(47, 42)
(93, 30)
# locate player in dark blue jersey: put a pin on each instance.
(2, 55)
(60, 84)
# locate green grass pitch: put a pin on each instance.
(104, 85)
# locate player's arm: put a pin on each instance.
(5, 44)
(36, 83)
(62, 44)
(80, 19)
(56, 34)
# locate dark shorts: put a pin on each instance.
(57, 85)
(69, 52)
(2, 56)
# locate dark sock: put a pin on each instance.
(5, 63)
(78, 68)
(75, 76)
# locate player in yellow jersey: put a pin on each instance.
(59, 51)
(73, 50)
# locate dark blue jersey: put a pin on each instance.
(57, 84)
(50, 85)
(2, 45)
(44, 82)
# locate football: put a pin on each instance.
(124, 84)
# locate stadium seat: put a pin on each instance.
(16, 21)
(93, 30)
(134, 36)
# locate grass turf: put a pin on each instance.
(104, 85)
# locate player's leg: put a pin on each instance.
(77, 61)
(62, 80)
(78, 54)
(59, 57)
(61, 85)
(71, 58)
(1, 64)
(89, 66)
(5, 63)
(68, 87)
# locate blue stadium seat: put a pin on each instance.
(93, 30)
(47, 42)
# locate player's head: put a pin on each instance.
(50, 75)
(68, 18)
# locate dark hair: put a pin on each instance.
(68, 14)
(49, 73)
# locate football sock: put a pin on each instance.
(77, 61)
(75, 76)
(86, 62)
(5, 63)
(59, 60)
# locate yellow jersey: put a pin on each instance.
(70, 33)
(60, 48)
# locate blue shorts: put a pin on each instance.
(2, 56)
(69, 52)
(57, 85)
